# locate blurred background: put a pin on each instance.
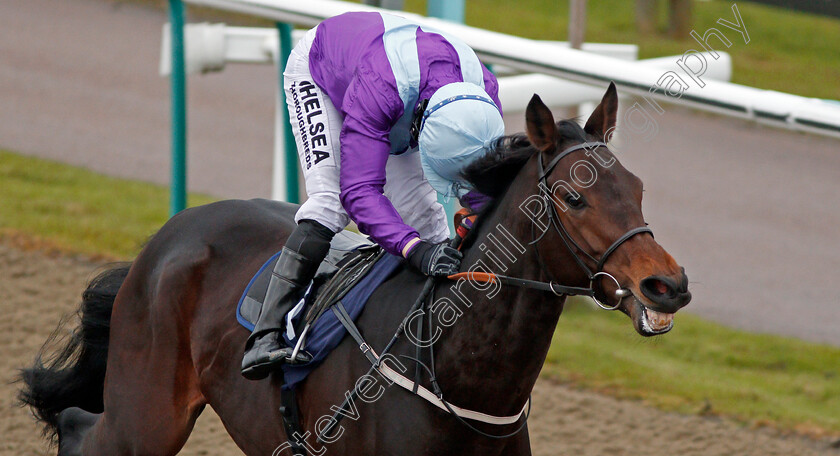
(749, 209)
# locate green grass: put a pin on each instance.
(700, 367)
(77, 211)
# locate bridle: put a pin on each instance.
(571, 245)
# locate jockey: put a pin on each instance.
(365, 92)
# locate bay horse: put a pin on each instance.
(159, 340)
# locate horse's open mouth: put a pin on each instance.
(653, 322)
(647, 321)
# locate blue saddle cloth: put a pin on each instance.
(327, 332)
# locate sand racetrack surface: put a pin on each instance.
(750, 212)
(37, 289)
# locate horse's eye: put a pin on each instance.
(575, 201)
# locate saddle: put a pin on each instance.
(342, 248)
(351, 272)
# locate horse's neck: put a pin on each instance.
(501, 338)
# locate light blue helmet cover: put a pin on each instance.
(460, 123)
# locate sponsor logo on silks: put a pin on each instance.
(311, 123)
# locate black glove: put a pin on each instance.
(438, 260)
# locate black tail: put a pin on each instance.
(75, 374)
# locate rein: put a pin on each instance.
(488, 277)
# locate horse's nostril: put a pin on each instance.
(658, 288)
(665, 294)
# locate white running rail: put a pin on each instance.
(764, 106)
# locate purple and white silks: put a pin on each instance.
(372, 67)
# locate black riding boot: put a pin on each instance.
(304, 251)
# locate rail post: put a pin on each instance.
(285, 182)
(178, 80)
(451, 10)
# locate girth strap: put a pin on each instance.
(291, 421)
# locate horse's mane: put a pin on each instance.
(493, 173)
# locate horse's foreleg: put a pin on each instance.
(151, 395)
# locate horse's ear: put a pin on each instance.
(540, 125)
(602, 121)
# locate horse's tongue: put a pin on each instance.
(658, 320)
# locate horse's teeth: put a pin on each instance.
(658, 320)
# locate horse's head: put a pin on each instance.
(597, 201)
(588, 214)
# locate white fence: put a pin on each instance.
(210, 47)
(562, 76)
(764, 106)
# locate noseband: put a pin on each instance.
(573, 247)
